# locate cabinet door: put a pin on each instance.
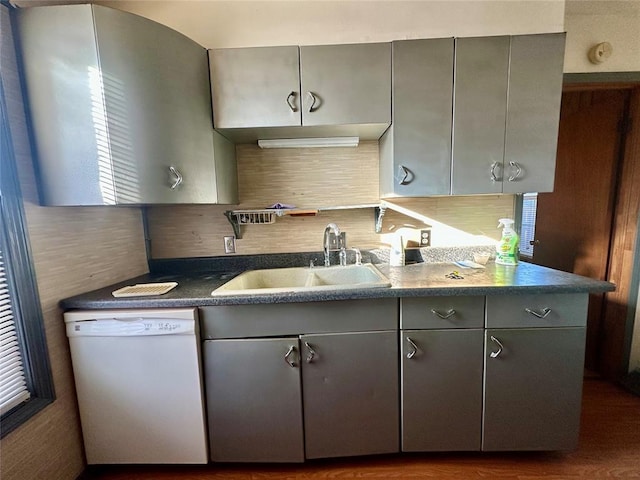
(157, 106)
(533, 113)
(254, 402)
(441, 390)
(350, 390)
(255, 87)
(533, 388)
(480, 105)
(420, 134)
(346, 84)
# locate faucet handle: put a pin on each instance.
(358, 256)
(343, 257)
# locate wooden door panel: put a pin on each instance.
(573, 225)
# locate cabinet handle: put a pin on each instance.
(494, 178)
(290, 98)
(518, 169)
(312, 353)
(542, 314)
(500, 347)
(313, 102)
(178, 178)
(405, 172)
(450, 313)
(290, 362)
(412, 353)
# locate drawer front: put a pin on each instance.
(284, 319)
(531, 311)
(442, 312)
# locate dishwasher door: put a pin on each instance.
(139, 385)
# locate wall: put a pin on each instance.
(222, 24)
(590, 22)
(74, 250)
(311, 179)
(325, 177)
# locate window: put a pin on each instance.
(25, 376)
(528, 224)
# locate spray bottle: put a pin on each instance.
(507, 247)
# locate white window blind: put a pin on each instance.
(13, 385)
(528, 227)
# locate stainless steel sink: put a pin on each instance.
(304, 279)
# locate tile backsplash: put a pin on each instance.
(309, 179)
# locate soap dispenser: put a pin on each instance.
(396, 255)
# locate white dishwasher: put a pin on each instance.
(139, 385)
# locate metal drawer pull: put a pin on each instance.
(178, 177)
(405, 172)
(292, 362)
(450, 313)
(518, 170)
(544, 314)
(312, 353)
(412, 353)
(290, 98)
(313, 102)
(494, 178)
(500, 347)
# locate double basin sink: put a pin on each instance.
(304, 279)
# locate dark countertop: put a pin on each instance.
(418, 280)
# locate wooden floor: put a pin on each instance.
(609, 448)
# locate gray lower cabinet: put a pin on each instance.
(291, 395)
(534, 364)
(533, 388)
(441, 390)
(120, 109)
(349, 396)
(254, 401)
(350, 392)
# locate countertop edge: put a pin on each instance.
(409, 281)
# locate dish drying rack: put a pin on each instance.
(266, 216)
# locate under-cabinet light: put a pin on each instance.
(310, 142)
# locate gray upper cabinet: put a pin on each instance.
(533, 112)
(288, 92)
(255, 87)
(506, 113)
(346, 84)
(415, 152)
(473, 115)
(480, 107)
(120, 107)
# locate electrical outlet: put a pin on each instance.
(336, 243)
(230, 244)
(425, 237)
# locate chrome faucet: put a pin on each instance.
(325, 241)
